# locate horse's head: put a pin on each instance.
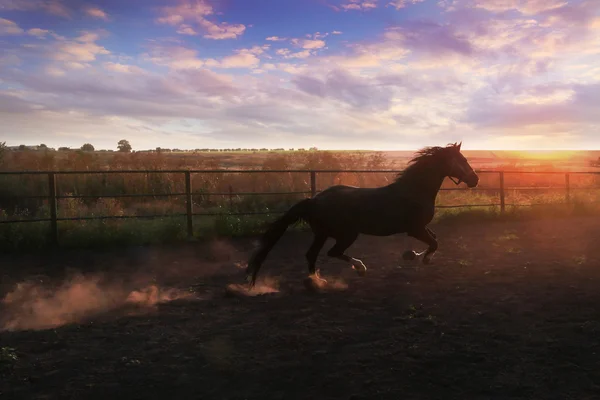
(458, 167)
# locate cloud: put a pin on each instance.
(287, 53)
(37, 32)
(431, 38)
(123, 68)
(174, 57)
(185, 29)
(538, 106)
(96, 12)
(527, 7)
(276, 39)
(54, 7)
(309, 44)
(223, 30)
(349, 89)
(189, 13)
(80, 50)
(398, 4)
(8, 27)
(242, 59)
(182, 58)
(361, 5)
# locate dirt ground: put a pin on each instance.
(507, 311)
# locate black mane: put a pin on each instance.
(424, 156)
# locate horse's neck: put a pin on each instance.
(426, 183)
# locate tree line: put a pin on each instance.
(124, 146)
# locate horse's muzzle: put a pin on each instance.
(472, 180)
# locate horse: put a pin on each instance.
(342, 212)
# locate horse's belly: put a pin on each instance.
(380, 231)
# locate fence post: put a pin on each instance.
(53, 209)
(189, 204)
(313, 183)
(502, 193)
(568, 187)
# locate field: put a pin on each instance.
(226, 193)
(509, 310)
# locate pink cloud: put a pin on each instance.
(361, 5)
(186, 30)
(276, 39)
(8, 27)
(431, 38)
(37, 32)
(174, 57)
(527, 7)
(189, 13)
(398, 4)
(96, 12)
(309, 44)
(123, 68)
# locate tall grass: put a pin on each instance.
(227, 193)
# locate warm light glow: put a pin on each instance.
(545, 155)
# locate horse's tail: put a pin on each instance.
(297, 212)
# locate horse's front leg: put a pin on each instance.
(424, 235)
(431, 233)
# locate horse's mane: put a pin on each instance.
(423, 156)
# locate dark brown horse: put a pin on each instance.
(343, 212)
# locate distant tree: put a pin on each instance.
(87, 147)
(3, 150)
(43, 146)
(124, 146)
(22, 147)
(63, 149)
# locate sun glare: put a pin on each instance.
(545, 155)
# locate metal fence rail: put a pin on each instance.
(53, 197)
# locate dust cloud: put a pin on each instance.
(35, 306)
(263, 286)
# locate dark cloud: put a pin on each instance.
(431, 38)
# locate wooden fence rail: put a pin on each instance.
(53, 197)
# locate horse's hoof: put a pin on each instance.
(313, 283)
(427, 260)
(361, 270)
(409, 255)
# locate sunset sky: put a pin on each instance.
(335, 74)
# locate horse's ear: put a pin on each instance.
(459, 145)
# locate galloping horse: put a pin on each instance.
(343, 212)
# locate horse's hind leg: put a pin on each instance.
(338, 251)
(313, 252)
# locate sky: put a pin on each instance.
(331, 74)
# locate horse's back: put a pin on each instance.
(336, 190)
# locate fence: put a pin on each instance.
(53, 197)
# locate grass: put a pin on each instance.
(32, 236)
(8, 359)
(544, 196)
